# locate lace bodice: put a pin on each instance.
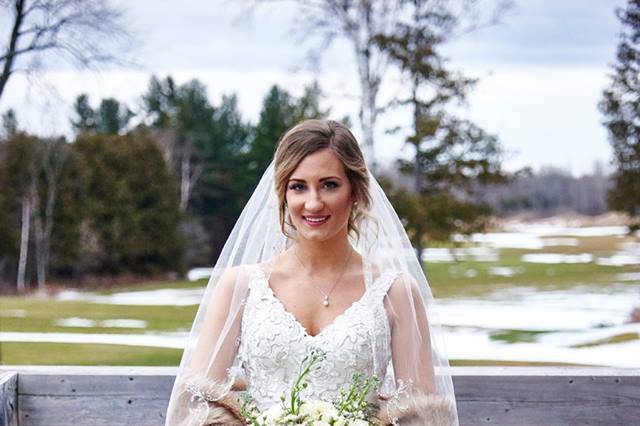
(273, 343)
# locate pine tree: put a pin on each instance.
(450, 154)
(85, 120)
(111, 118)
(280, 112)
(620, 105)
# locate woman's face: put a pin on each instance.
(319, 197)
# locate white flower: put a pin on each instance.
(272, 414)
(290, 419)
(319, 410)
(358, 422)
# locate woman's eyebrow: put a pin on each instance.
(321, 179)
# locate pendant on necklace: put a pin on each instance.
(325, 302)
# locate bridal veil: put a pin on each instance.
(210, 368)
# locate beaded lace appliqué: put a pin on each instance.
(273, 343)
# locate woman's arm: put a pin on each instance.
(217, 339)
(203, 393)
(416, 401)
(410, 338)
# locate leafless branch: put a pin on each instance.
(88, 33)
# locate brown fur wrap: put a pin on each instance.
(225, 412)
(217, 406)
(419, 410)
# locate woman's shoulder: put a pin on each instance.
(231, 275)
(236, 270)
(394, 282)
(384, 273)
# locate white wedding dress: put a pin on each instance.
(273, 343)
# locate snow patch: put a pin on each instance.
(557, 258)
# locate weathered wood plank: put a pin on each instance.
(8, 398)
(496, 396)
(611, 389)
(547, 414)
(91, 410)
(98, 396)
(71, 385)
(91, 370)
(550, 400)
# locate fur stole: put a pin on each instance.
(419, 410)
(218, 406)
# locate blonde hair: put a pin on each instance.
(308, 137)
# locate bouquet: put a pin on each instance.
(350, 409)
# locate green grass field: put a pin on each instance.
(448, 279)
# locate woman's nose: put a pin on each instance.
(314, 202)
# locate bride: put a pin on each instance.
(317, 260)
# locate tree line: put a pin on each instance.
(158, 189)
(547, 192)
(157, 196)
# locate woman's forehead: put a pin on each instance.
(320, 164)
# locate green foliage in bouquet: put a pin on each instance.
(351, 409)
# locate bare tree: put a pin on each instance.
(24, 242)
(29, 197)
(53, 157)
(179, 115)
(85, 32)
(360, 22)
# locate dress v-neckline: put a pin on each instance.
(297, 323)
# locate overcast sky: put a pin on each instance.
(541, 73)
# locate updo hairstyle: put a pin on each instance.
(308, 137)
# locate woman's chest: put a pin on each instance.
(310, 306)
(271, 335)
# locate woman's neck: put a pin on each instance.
(318, 257)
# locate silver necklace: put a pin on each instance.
(325, 299)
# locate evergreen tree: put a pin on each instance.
(67, 247)
(160, 102)
(450, 154)
(131, 206)
(182, 119)
(280, 111)
(19, 178)
(222, 191)
(111, 118)
(86, 116)
(621, 109)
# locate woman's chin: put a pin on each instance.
(319, 233)
(314, 235)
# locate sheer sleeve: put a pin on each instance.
(421, 397)
(205, 379)
(410, 337)
(216, 346)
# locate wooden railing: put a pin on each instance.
(97, 396)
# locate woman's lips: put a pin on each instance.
(315, 221)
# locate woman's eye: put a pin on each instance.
(330, 185)
(296, 186)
